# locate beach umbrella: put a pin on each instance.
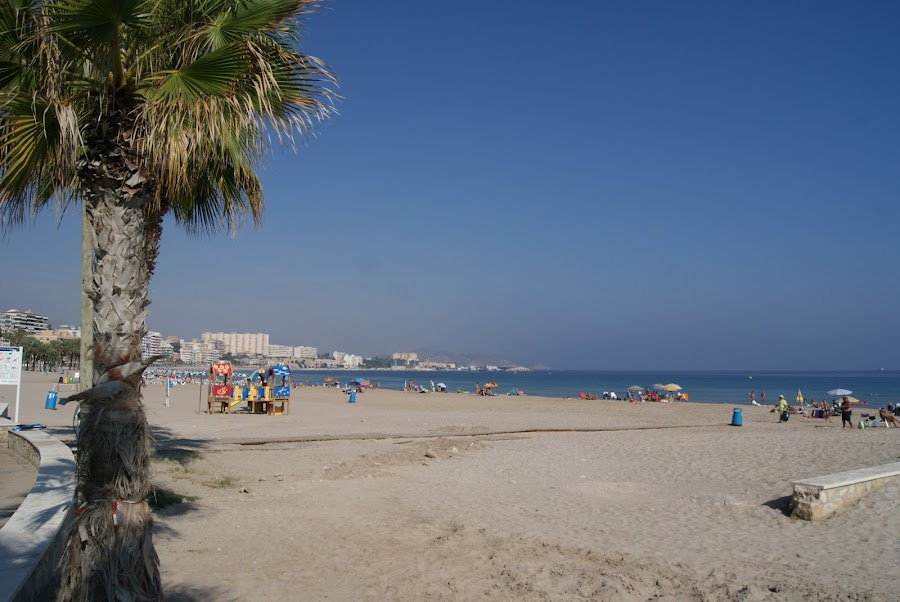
(799, 396)
(839, 392)
(672, 387)
(635, 388)
(659, 386)
(441, 385)
(489, 385)
(328, 379)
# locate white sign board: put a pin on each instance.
(11, 371)
(10, 365)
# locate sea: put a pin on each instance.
(878, 388)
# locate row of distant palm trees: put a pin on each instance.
(38, 355)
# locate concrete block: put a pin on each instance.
(821, 497)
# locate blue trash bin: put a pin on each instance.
(737, 417)
(50, 404)
(353, 397)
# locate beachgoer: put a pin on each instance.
(762, 397)
(478, 389)
(782, 408)
(889, 418)
(752, 398)
(826, 409)
(846, 412)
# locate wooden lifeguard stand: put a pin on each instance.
(219, 389)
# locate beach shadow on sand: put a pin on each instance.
(165, 441)
(782, 504)
(185, 593)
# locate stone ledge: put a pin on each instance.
(32, 541)
(821, 497)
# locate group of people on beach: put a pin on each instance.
(888, 416)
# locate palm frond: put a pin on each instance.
(212, 74)
(92, 23)
(250, 19)
(36, 139)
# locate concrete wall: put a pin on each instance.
(32, 541)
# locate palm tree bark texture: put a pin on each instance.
(110, 553)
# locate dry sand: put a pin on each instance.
(405, 496)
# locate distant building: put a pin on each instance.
(428, 365)
(347, 360)
(199, 352)
(305, 353)
(240, 343)
(281, 351)
(151, 344)
(64, 332)
(406, 357)
(30, 322)
(351, 362)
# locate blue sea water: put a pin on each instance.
(878, 388)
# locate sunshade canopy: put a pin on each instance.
(840, 392)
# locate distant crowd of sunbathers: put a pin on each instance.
(638, 397)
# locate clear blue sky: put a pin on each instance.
(609, 185)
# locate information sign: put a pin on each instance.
(10, 365)
(11, 372)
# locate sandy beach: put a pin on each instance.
(406, 496)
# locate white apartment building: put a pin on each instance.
(306, 353)
(151, 344)
(280, 351)
(353, 361)
(28, 321)
(240, 343)
(347, 360)
(409, 358)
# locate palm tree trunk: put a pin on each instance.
(87, 277)
(110, 553)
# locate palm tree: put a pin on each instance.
(140, 109)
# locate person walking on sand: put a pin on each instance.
(782, 408)
(827, 410)
(846, 412)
